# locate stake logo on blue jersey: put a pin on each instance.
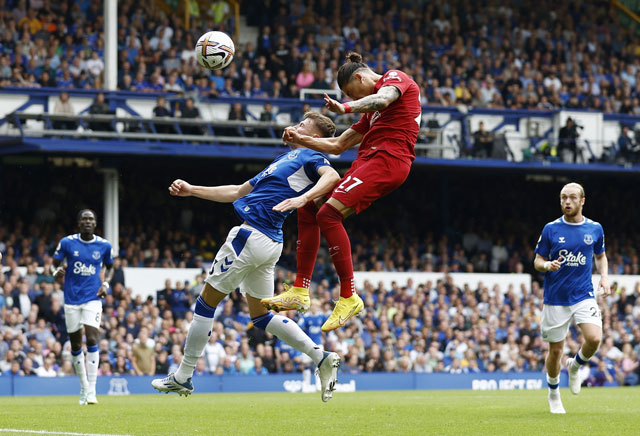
(574, 245)
(290, 175)
(84, 260)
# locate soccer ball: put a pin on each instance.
(215, 50)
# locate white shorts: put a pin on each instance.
(77, 315)
(556, 319)
(246, 260)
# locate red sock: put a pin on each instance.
(307, 244)
(330, 222)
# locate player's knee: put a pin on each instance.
(593, 339)
(307, 214)
(328, 216)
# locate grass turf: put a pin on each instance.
(596, 411)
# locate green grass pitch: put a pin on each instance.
(596, 411)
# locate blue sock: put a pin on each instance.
(262, 320)
(203, 309)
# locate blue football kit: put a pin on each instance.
(289, 175)
(574, 244)
(84, 260)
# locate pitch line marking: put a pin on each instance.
(16, 430)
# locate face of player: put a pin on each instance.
(305, 127)
(361, 85)
(87, 223)
(571, 202)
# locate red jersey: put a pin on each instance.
(394, 129)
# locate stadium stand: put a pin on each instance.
(485, 55)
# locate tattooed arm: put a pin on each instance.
(371, 103)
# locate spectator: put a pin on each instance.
(190, 111)
(63, 107)
(100, 107)
(161, 111)
(483, 142)
(627, 150)
(143, 358)
(567, 142)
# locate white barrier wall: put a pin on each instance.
(147, 281)
(459, 279)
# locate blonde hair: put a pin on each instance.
(574, 185)
(324, 124)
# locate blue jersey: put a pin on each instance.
(574, 244)
(84, 260)
(290, 175)
(312, 324)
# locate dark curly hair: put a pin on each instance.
(348, 69)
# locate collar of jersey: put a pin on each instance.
(584, 220)
(86, 242)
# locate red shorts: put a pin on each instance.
(369, 179)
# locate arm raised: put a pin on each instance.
(220, 194)
(337, 145)
(371, 103)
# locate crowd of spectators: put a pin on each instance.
(514, 54)
(432, 327)
(412, 326)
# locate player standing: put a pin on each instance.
(85, 253)
(249, 255)
(387, 134)
(572, 241)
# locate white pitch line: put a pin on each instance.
(16, 430)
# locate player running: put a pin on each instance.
(85, 254)
(387, 134)
(571, 241)
(248, 257)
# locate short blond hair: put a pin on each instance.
(323, 123)
(574, 185)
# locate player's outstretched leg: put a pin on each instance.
(291, 333)
(293, 298)
(331, 224)
(328, 374)
(307, 245)
(555, 402)
(197, 339)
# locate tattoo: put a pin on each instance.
(375, 102)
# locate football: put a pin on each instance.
(215, 50)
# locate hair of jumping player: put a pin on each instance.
(323, 123)
(350, 67)
(574, 185)
(86, 210)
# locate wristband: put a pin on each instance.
(546, 265)
(106, 284)
(347, 108)
(56, 271)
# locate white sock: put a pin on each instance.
(575, 365)
(554, 392)
(81, 372)
(92, 369)
(197, 339)
(291, 333)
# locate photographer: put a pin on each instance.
(567, 145)
(627, 150)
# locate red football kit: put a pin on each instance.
(387, 148)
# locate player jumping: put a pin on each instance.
(387, 134)
(249, 255)
(571, 241)
(85, 253)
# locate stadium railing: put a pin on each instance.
(447, 132)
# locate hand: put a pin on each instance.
(554, 265)
(334, 105)
(291, 203)
(291, 136)
(59, 274)
(180, 188)
(102, 292)
(604, 285)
